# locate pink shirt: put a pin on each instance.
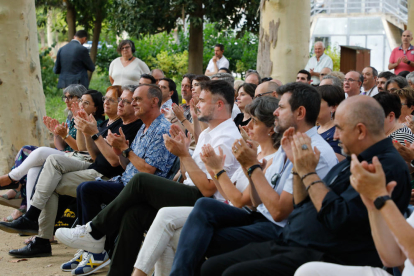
(399, 52)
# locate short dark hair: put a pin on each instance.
(303, 71)
(149, 77)
(331, 94)
(221, 46)
(123, 43)
(386, 74)
(303, 95)
(249, 88)
(98, 102)
(403, 73)
(153, 92)
(201, 78)
(81, 34)
(222, 89)
(400, 81)
(374, 71)
(171, 84)
(190, 77)
(225, 69)
(390, 103)
(253, 72)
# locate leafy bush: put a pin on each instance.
(49, 79)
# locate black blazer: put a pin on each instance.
(72, 63)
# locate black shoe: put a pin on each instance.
(35, 248)
(21, 225)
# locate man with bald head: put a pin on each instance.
(329, 222)
(324, 72)
(268, 88)
(402, 57)
(352, 83)
(158, 74)
(318, 62)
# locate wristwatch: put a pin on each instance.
(125, 153)
(219, 173)
(380, 201)
(95, 136)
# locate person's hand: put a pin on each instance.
(404, 59)
(286, 142)
(53, 124)
(82, 114)
(304, 160)
(117, 141)
(211, 159)
(214, 59)
(177, 145)
(168, 113)
(399, 60)
(245, 152)
(62, 130)
(409, 121)
(46, 121)
(369, 180)
(406, 151)
(178, 111)
(88, 127)
(176, 132)
(75, 109)
(193, 108)
(244, 132)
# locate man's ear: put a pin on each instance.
(362, 131)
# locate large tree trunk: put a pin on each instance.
(49, 29)
(283, 38)
(195, 47)
(410, 23)
(70, 20)
(22, 102)
(95, 38)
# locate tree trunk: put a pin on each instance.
(195, 47)
(95, 38)
(42, 38)
(49, 29)
(70, 20)
(283, 38)
(22, 102)
(410, 23)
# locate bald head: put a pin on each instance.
(277, 81)
(265, 87)
(365, 110)
(406, 37)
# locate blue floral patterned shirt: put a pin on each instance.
(150, 147)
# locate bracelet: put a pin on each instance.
(173, 122)
(219, 173)
(173, 119)
(314, 182)
(294, 173)
(183, 120)
(303, 177)
(252, 168)
(67, 135)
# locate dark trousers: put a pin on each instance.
(92, 194)
(133, 211)
(215, 228)
(266, 258)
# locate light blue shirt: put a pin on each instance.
(285, 183)
(167, 104)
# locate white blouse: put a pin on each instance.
(129, 74)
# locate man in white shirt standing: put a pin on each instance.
(369, 86)
(318, 62)
(218, 61)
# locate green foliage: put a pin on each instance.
(49, 79)
(99, 81)
(335, 55)
(55, 107)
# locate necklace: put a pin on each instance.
(112, 121)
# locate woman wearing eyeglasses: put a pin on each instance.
(162, 238)
(127, 69)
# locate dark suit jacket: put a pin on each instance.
(72, 63)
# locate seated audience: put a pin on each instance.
(403, 74)
(330, 222)
(252, 76)
(324, 72)
(268, 88)
(224, 70)
(304, 77)
(338, 74)
(158, 74)
(244, 98)
(382, 79)
(352, 83)
(393, 235)
(369, 85)
(214, 228)
(147, 79)
(407, 103)
(147, 153)
(331, 97)
(133, 211)
(230, 79)
(331, 80)
(162, 237)
(395, 83)
(168, 88)
(410, 79)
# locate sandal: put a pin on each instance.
(14, 202)
(11, 219)
(13, 185)
(17, 196)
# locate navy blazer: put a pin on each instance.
(72, 63)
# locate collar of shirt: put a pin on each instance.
(374, 150)
(152, 127)
(409, 48)
(76, 41)
(167, 104)
(221, 127)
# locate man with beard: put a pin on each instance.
(214, 228)
(133, 211)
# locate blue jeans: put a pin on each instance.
(92, 194)
(215, 228)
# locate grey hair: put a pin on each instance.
(226, 77)
(130, 87)
(335, 81)
(320, 42)
(153, 92)
(262, 108)
(410, 77)
(75, 90)
(400, 81)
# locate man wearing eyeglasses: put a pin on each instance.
(268, 88)
(325, 71)
(352, 83)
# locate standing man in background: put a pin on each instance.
(73, 62)
(402, 58)
(218, 61)
(318, 62)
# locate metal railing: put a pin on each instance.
(397, 9)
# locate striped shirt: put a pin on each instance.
(402, 134)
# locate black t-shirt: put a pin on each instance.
(102, 165)
(238, 120)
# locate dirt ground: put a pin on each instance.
(46, 266)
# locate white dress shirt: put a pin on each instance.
(222, 62)
(317, 66)
(372, 92)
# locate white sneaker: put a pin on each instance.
(80, 238)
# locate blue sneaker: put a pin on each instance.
(72, 264)
(91, 263)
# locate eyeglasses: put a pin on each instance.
(323, 74)
(251, 71)
(84, 102)
(70, 97)
(349, 80)
(262, 94)
(111, 100)
(123, 101)
(126, 48)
